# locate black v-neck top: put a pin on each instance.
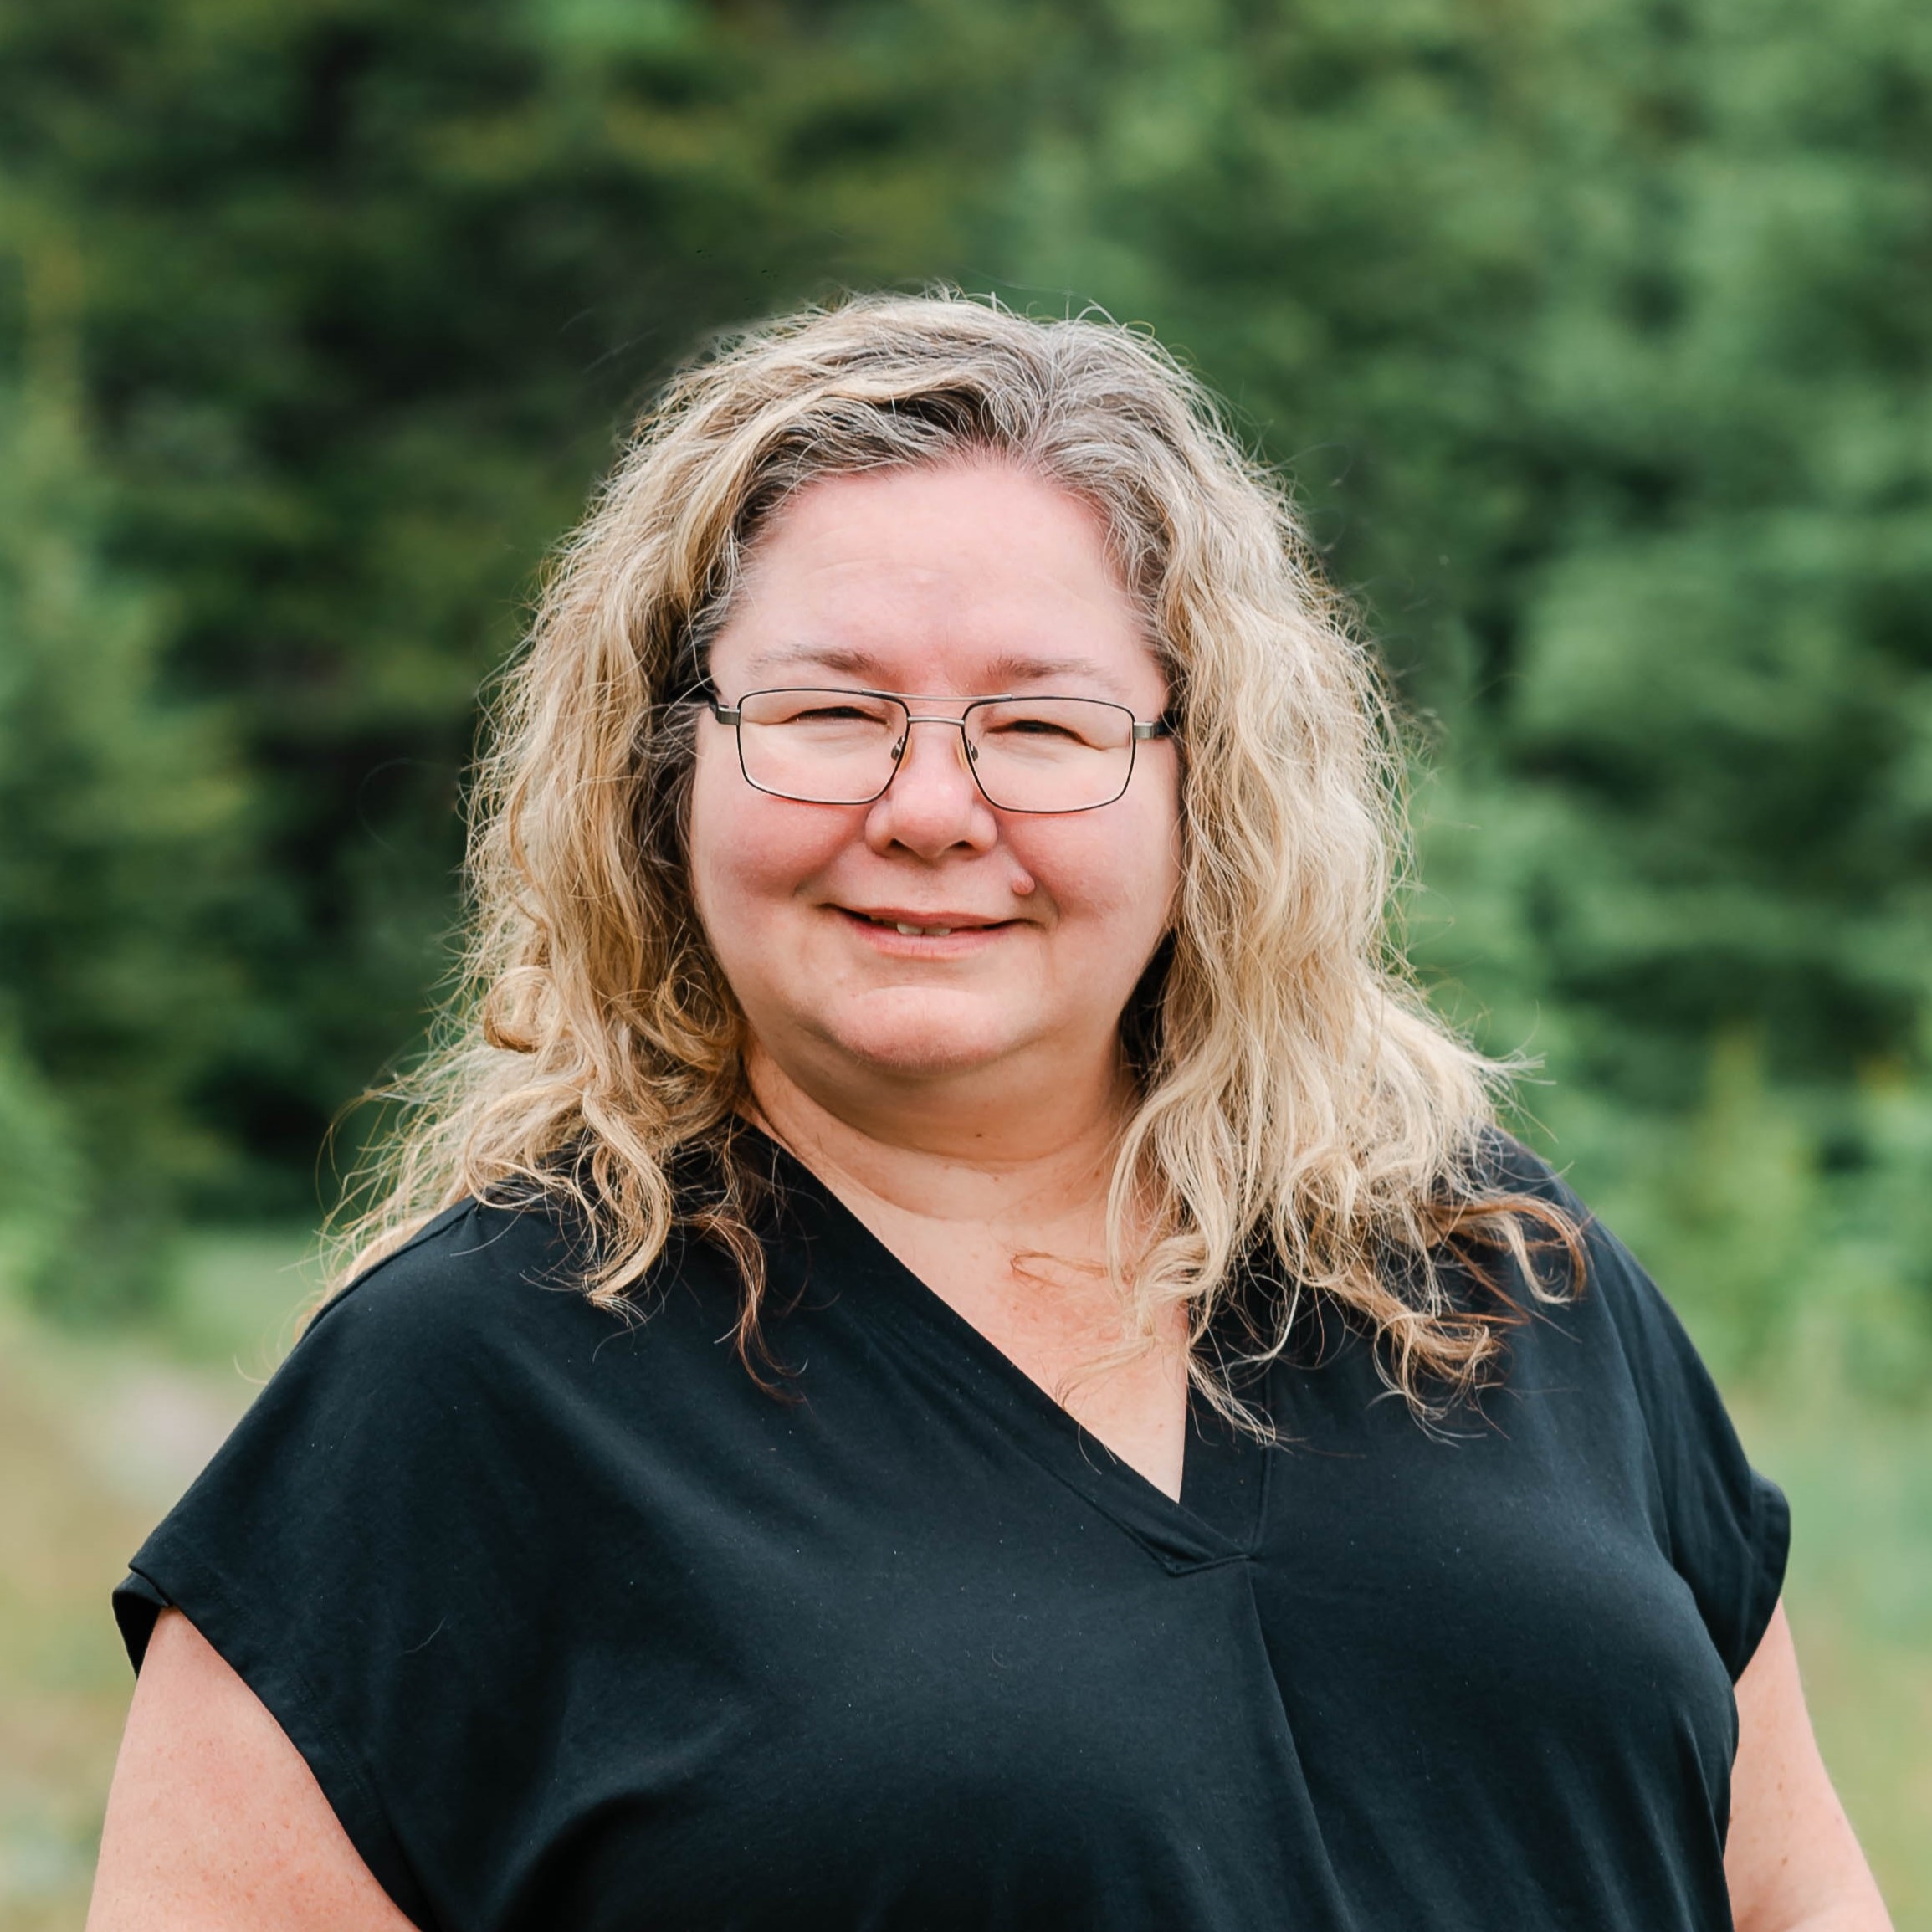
(578, 1628)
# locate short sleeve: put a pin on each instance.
(1729, 1527)
(355, 1550)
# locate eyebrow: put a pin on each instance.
(1008, 671)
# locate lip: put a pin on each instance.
(895, 916)
(880, 926)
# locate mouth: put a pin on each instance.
(913, 924)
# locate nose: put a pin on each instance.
(933, 805)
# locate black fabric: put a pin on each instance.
(577, 1627)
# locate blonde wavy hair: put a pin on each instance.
(1302, 1120)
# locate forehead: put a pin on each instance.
(976, 577)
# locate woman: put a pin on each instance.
(864, 1404)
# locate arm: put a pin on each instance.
(214, 1822)
(1792, 1861)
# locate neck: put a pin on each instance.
(922, 1153)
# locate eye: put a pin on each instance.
(1052, 724)
(826, 711)
(1034, 726)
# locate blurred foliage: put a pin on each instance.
(121, 810)
(1596, 335)
(354, 298)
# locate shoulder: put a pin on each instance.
(1499, 1164)
(1595, 1292)
(473, 1261)
(476, 1280)
(485, 1288)
(454, 1367)
(1564, 1231)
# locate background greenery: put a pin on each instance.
(1597, 337)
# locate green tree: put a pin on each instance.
(118, 809)
(370, 289)
(1598, 338)
(1594, 334)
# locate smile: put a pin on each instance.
(943, 926)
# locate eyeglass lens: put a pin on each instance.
(832, 747)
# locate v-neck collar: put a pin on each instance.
(1219, 1515)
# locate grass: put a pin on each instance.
(97, 1435)
(97, 1438)
(1860, 1598)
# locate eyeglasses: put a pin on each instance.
(830, 747)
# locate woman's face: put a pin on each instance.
(950, 583)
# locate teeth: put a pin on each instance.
(923, 932)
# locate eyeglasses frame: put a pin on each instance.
(1143, 730)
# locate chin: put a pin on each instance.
(919, 1034)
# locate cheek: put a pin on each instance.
(1115, 878)
(749, 853)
